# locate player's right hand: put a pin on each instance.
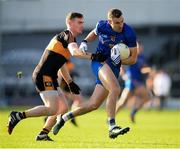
(115, 57)
(83, 46)
(74, 88)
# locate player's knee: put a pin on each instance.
(94, 106)
(115, 90)
(63, 110)
(53, 110)
(77, 102)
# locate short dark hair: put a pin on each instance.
(114, 13)
(73, 15)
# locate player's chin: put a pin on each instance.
(120, 29)
(80, 31)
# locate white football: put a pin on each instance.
(123, 50)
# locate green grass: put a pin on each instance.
(154, 129)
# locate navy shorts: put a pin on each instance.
(96, 66)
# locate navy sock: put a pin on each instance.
(111, 123)
(68, 116)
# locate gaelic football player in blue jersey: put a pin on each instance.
(109, 33)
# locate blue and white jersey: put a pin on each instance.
(108, 38)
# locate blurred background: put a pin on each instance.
(26, 26)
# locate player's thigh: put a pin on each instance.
(50, 98)
(108, 78)
(98, 96)
(47, 88)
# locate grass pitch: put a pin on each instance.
(153, 129)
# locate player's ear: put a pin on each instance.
(68, 23)
(71, 22)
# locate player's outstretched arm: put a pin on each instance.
(133, 57)
(77, 52)
(80, 52)
(89, 38)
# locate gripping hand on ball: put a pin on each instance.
(115, 56)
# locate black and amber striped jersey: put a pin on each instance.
(55, 54)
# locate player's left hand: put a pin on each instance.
(83, 46)
(74, 88)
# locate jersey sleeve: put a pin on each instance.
(97, 29)
(131, 38)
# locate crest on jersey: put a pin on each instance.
(113, 38)
(111, 45)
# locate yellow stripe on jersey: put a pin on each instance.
(57, 47)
